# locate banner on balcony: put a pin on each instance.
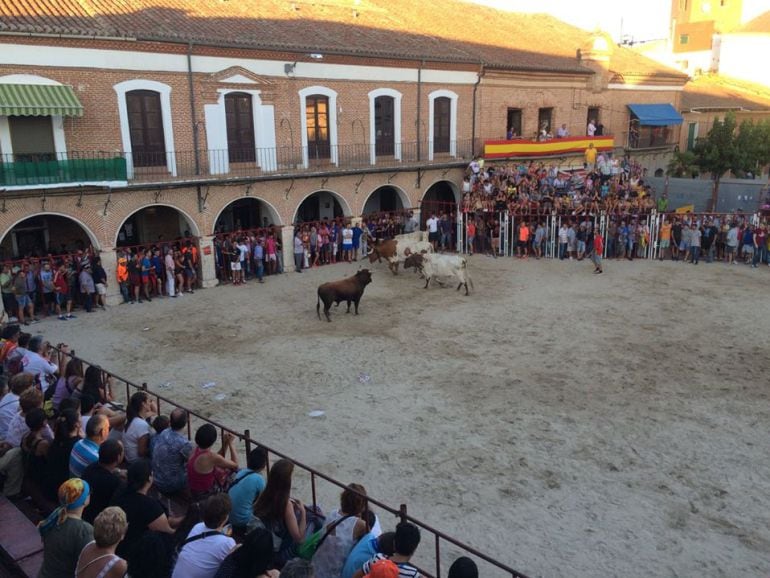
(502, 149)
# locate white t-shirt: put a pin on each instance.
(432, 225)
(135, 430)
(203, 557)
(9, 407)
(347, 236)
(244, 250)
(36, 365)
(591, 129)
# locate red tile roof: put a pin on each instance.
(720, 92)
(760, 25)
(434, 30)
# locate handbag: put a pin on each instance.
(310, 546)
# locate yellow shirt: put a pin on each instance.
(590, 156)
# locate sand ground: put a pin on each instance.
(565, 423)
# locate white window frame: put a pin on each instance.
(397, 96)
(165, 107)
(453, 98)
(332, 96)
(57, 121)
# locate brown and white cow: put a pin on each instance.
(350, 290)
(396, 250)
(434, 265)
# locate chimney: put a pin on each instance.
(596, 54)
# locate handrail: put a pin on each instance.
(245, 436)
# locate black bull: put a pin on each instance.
(350, 290)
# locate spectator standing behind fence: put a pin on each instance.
(299, 252)
(591, 128)
(168, 262)
(87, 288)
(432, 225)
(695, 243)
(598, 246)
(259, 260)
(23, 303)
(121, 275)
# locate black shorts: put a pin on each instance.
(433, 237)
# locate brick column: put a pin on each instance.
(208, 262)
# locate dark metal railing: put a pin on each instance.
(160, 166)
(438, 537)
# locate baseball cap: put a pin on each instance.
(383, 569)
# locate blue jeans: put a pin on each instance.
(298, 258)
(562, 250)
(124, 291)
(760, 255)
(611, 253)
(260, 269)
(695, 252)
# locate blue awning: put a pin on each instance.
(656, 114)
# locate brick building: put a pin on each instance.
(174, 118)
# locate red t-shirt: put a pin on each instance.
(598, 244)
(60, 283)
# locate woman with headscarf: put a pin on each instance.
(64, 533)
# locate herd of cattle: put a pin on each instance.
(413, 252)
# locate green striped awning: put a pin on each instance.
(38, 100)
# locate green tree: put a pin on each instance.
(728, 147)
(717, 153)
(682, 164)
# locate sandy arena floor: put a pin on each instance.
(565, 423)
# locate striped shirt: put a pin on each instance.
(404, 570)
(84, 453)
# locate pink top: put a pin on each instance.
(199, 483)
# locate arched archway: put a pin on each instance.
(321, 205)
(155, 223)
(440, 197)
(244, 214)
(385, 198)
(45, 233)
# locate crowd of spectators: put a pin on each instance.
(60, 283)
(104, 479)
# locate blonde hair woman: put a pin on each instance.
(98, 558)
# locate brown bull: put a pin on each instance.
(350, 290)
(387, 250)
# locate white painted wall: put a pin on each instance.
(67, 57)
(741, 57)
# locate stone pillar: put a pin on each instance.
(110, 264)
(287, 240)
(208, 262)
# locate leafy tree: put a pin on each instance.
(717, 152)
(682, 164)
(729, 148)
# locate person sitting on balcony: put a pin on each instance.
(562, 131)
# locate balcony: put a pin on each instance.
(46, 169)
(99, 167)
(528, 148)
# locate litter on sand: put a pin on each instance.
(364, 378)
(220, 396)
(316, 413)
(146, 329)
(165, 385)
(208, 385)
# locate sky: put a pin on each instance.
(640, 19)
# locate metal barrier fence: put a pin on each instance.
(444, 547)
(501, 231)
